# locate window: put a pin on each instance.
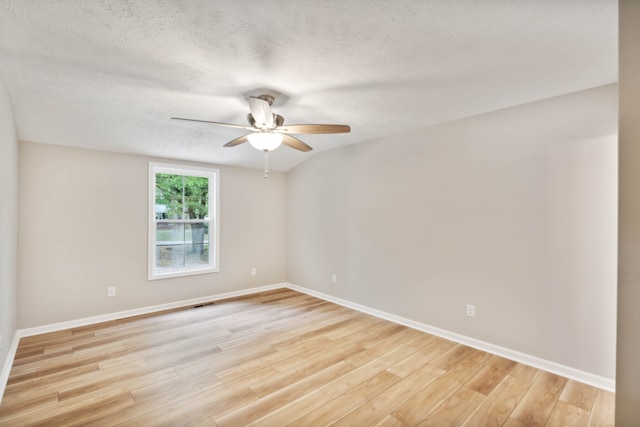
(183, 220)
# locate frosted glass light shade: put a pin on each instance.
(265, 140)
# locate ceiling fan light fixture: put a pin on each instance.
(265, 141)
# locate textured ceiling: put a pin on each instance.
(109, 74)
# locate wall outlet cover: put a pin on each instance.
(471, 310)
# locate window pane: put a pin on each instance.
(196, 197)
(197, 244)
(181, 196)
(169, 256)
(169, 245)
(169, 196)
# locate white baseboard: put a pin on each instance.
(536, 362)
(6, 368)
(565, 371)
(143, 310)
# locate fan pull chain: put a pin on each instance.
(266, 163)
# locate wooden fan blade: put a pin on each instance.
(236, 141)
(261, 112)
(214, 123)
(314, 129)
(292, 142)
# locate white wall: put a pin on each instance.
(513, 211)
(83, 227)
(628, 363)
(8, 223)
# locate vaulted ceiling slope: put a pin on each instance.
(108, 74)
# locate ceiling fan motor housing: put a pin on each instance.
(277, 119)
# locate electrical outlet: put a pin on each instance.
(111, 291)
(471, 310)
(334, 278)
(254, 271)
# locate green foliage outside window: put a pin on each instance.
(183, 196)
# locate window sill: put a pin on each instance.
(181, 273)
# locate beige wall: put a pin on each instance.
(512, 211)
(8, 223)
(83, 227)
(628, 364)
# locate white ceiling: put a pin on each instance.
(108, 75)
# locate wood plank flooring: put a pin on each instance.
(280, 358)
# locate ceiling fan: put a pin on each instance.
(269, 131)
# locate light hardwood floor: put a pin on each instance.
(280, 358)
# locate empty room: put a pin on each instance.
(306, 213)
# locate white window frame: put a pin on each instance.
(214, 220)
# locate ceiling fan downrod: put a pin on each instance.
(266, 163)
